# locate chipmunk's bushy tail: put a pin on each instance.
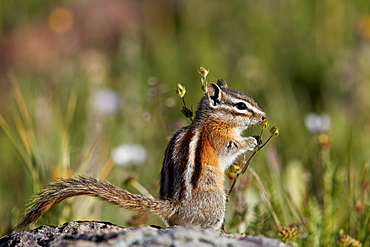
(65, 188)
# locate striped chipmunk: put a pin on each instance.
(192, 177)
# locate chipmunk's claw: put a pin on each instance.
(258, 139)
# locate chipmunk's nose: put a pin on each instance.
(263, 117)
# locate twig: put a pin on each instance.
(247, 163)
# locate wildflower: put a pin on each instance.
(180, 90)
(317, 123)
(324, 140)
(129, 154)
(106, 101)
(274, 130)
(264, 124)
(203, 72)
(287, 233)
(234, 168)
(346, 240)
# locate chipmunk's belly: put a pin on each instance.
(207, 209)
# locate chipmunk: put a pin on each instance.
(192, 177)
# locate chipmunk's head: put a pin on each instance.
(240, 110)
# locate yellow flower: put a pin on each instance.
(347, 240)
(287, 233)
(203, 72)
(235, 168)
(274, 130)
(180, 90)
(264, 124)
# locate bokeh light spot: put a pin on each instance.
(365, 26)
(60, 20)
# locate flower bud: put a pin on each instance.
(180, 90)
(234, 168)
(230, 175)
(264, 124)
(274, 130)
(130, 179)
(203, 72)
(324, 140)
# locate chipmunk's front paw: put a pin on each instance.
(258, 138)
(252, 143)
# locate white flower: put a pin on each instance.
(317, 122)
(129, 154)
(106, 101)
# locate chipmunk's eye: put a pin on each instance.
(241, 106)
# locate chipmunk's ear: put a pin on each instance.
(222, 83)
(214, 94)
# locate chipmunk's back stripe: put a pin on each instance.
(197, 164)
(171, 170)
(190, 164)
(184, 157)
(167, 174)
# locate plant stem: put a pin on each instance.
(247, 163)
(267, 199)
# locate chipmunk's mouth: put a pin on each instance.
(252, 125)
(254, 122)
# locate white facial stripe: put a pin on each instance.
(254, 109)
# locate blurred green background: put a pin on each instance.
(79, 79)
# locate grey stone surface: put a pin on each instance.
(95, 233)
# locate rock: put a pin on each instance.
(95, 233)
